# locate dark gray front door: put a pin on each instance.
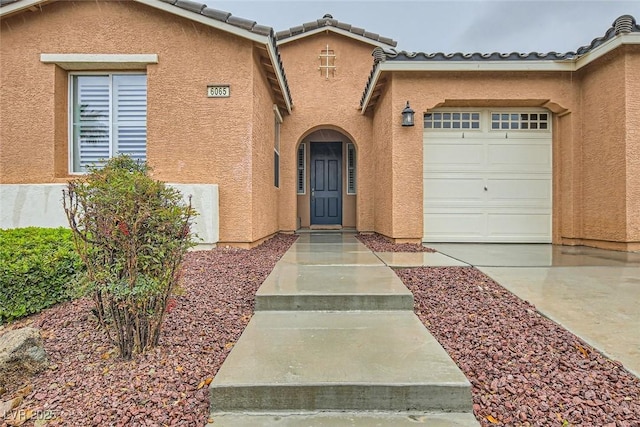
(326, 183)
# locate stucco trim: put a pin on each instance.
(335, 30)
(79, 61)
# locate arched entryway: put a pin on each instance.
(326, 180)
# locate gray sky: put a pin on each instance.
(453, 26)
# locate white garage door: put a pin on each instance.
(487, 176)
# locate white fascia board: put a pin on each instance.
(205, 20)
(18, 6)
(606, 47)
(276, 66)
(417, 65)
(372, 85)
(75, 61)
(337, 31)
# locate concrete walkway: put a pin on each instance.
(334, 341)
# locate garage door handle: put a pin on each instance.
(485, 188)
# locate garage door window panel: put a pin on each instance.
(452, 120)
(520, 121)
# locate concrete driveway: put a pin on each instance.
(593, 293)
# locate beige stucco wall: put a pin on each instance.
(632, 77)
(265, 195)
(603, 154)
(381, 157)
(329, 104)
(191, 138)
(595, 143)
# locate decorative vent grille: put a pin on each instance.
(351, 169)
(452, 120)
(517, 121)
(301, 169)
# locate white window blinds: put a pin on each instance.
(109, 118)
(130, 115)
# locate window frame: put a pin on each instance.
(71, 112)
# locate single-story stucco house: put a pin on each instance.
(277, 131)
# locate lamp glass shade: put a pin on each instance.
(407, 116)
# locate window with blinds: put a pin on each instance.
(109, 118)
(351, 169)
(302, 173)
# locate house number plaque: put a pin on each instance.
(218, 91)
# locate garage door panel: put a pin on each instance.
(507, 226)
(453, 156)
(489, 185)
(519, 192)
(519, 157)
(450, 191)
(446, 226)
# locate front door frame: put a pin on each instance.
(326, 202)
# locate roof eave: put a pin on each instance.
(337, 31)
(19, 6)
(572, 64)
(187, 14)
(267, 41)
(369, 93)
(606, 47)
(273, 55)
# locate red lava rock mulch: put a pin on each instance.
(87, 385)
(378, 243)
(525, 370)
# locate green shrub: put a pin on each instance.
(36, 268)
(132, 233)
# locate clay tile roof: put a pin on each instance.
(219, 15)
(624, 24)
(328, 21)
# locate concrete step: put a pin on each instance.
(310, 287)
(345, 419)
(331, 252)
(338, 361)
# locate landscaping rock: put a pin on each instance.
(378, 243)
(21, 355)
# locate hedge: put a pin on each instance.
(36, 267)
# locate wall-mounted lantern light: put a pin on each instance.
(407, 116)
